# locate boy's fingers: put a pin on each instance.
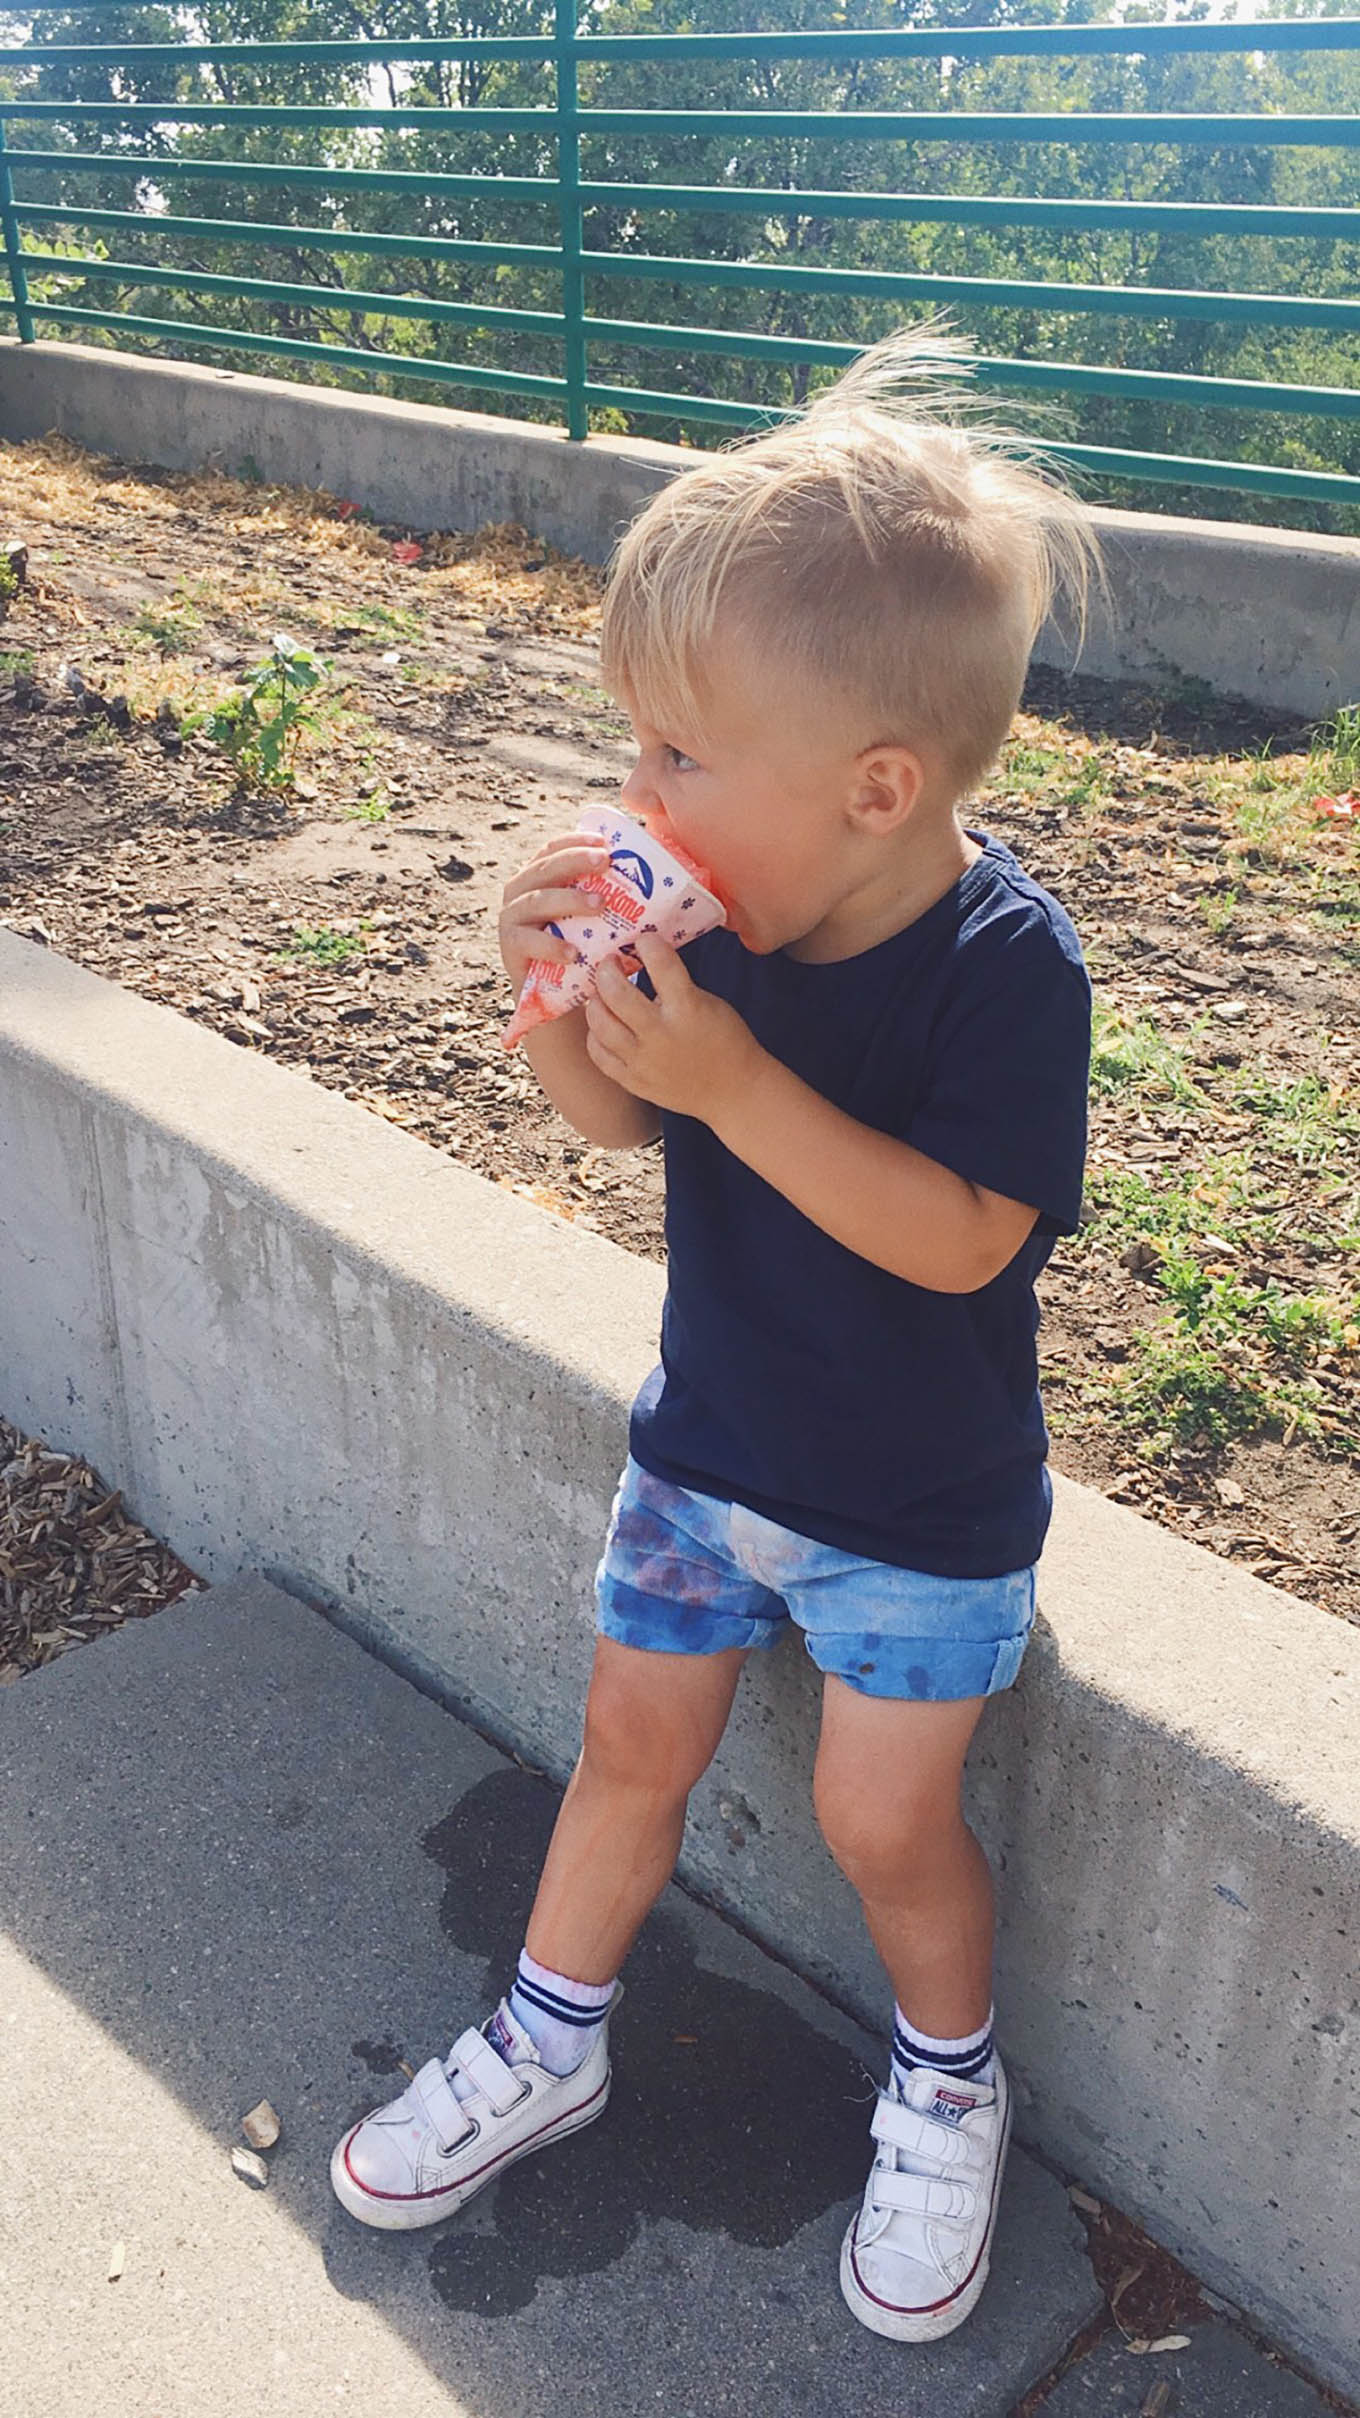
(605, 1029)
(538, 904)
(663, 965)
(617, 998)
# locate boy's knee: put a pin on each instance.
(878, 1843)
(637, 1737)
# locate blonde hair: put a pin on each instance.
(890, 562)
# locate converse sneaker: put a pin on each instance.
(915, 2258)
(420, 2157)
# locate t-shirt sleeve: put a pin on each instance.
(1003, 1099)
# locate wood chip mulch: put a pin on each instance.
(72, 1564)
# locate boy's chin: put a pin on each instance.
(757, 944)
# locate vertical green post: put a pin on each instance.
(569, 212)
(18, 274)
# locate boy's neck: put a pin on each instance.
(918, 881)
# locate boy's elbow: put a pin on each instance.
(630, 1131)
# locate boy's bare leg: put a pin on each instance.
(887, 1794)
(652, 1724)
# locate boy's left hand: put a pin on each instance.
(684, 1050)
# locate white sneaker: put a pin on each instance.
(915, 2258)
(420, 2157)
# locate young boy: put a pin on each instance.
(871, 1088)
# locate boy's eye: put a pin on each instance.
(682, 762)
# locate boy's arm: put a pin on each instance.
(601, 1111)
(878, 1196)
(688, 1051)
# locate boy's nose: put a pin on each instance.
(639, 790)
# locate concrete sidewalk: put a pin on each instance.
(243, 1859)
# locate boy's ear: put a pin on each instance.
(888, 787)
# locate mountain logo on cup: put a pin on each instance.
(634, 868)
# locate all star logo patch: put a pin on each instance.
(498, 2035)
(952, 2106)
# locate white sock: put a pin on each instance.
(560, 2016)
(967, 2060)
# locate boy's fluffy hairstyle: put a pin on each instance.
(890, 563)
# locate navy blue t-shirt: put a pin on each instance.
(797, 1377)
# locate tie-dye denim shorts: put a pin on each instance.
(687, 1573)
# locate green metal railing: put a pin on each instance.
(569, 194)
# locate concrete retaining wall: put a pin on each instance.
(1262, 614)
(304, 1343)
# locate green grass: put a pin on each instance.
(16, 663)
(173, 627)
(325, 944)
(1312, 1121)
(1335, 752)
(1229, 1357)
(376, 808)
(1026, 767)
(1219, 910)
(1132, 1052)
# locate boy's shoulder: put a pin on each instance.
(1003, 906)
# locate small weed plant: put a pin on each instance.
(325, 944)
(173, 627)
(375, 808)
(261, 724)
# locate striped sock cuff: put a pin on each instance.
(582, 2004)
(962, 2058)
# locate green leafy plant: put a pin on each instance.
(325, 944)
(260, 725)
(9, 586)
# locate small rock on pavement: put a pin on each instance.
(251, 2169)
(261, 2127)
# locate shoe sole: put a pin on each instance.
(397, 2215)
(925, 2325)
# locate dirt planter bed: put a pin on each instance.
(1200, 1336)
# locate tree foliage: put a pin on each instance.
(1249, 84)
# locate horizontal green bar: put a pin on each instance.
(1131, 301)
(1240, 394)
(851, 125)
(342, 356)
(972, 126)
(990, 42)
(233, 113)
(954, 42)
(968, 209)
(256, 233)
(1200, 218)
(165, 165)
(324, 297)
(276, 54)
(683, 407)
(1321, 486)
(1252, 478)
(1135, 301)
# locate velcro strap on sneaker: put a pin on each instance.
(911, 2129)
(492, 2076)
(922, 2195)
(446, 2118)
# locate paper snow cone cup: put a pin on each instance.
(650, 885)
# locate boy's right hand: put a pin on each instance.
(542, 894)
